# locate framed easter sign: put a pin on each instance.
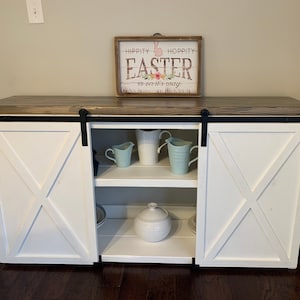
(158, 66)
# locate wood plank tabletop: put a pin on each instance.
(70, 105)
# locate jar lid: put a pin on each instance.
(153, 213)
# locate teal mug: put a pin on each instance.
(122, 154)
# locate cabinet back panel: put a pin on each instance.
(141, 196)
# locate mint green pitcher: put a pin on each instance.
(179, 154)
(122, 154)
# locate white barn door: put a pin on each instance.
(46, 194)
(249, 194)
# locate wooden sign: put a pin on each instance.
(158, 66)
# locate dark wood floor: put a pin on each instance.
(136, 281)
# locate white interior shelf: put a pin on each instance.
(117, 242)
(137, 175)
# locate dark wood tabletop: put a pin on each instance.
(70, 105)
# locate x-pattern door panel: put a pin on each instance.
(46, 194)
(249, 196)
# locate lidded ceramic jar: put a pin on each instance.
(153, 223)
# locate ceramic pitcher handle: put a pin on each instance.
(196, 158)
(161, 146)
(164, 131)
(109, 157)
(164, 144)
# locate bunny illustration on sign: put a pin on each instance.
(157, 50)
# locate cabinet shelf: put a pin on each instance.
(117, 242)
(138, 175)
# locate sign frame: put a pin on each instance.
(164, 66)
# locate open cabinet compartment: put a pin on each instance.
(124, 192)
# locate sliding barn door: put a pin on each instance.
(46, 195)
(248, 212)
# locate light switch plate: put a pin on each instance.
(35, 11)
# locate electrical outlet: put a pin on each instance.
(35, 11)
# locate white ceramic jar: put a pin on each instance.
(153, 223)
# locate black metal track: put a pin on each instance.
(163, 119)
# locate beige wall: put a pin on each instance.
(250, 47)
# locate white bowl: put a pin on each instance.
(153, 223)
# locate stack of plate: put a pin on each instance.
(192, 223)
(101, 214)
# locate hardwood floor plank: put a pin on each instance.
(21, 283)
(213, 285)
(161, 283)
(112, 274)
(113, 281)
(135, 282)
